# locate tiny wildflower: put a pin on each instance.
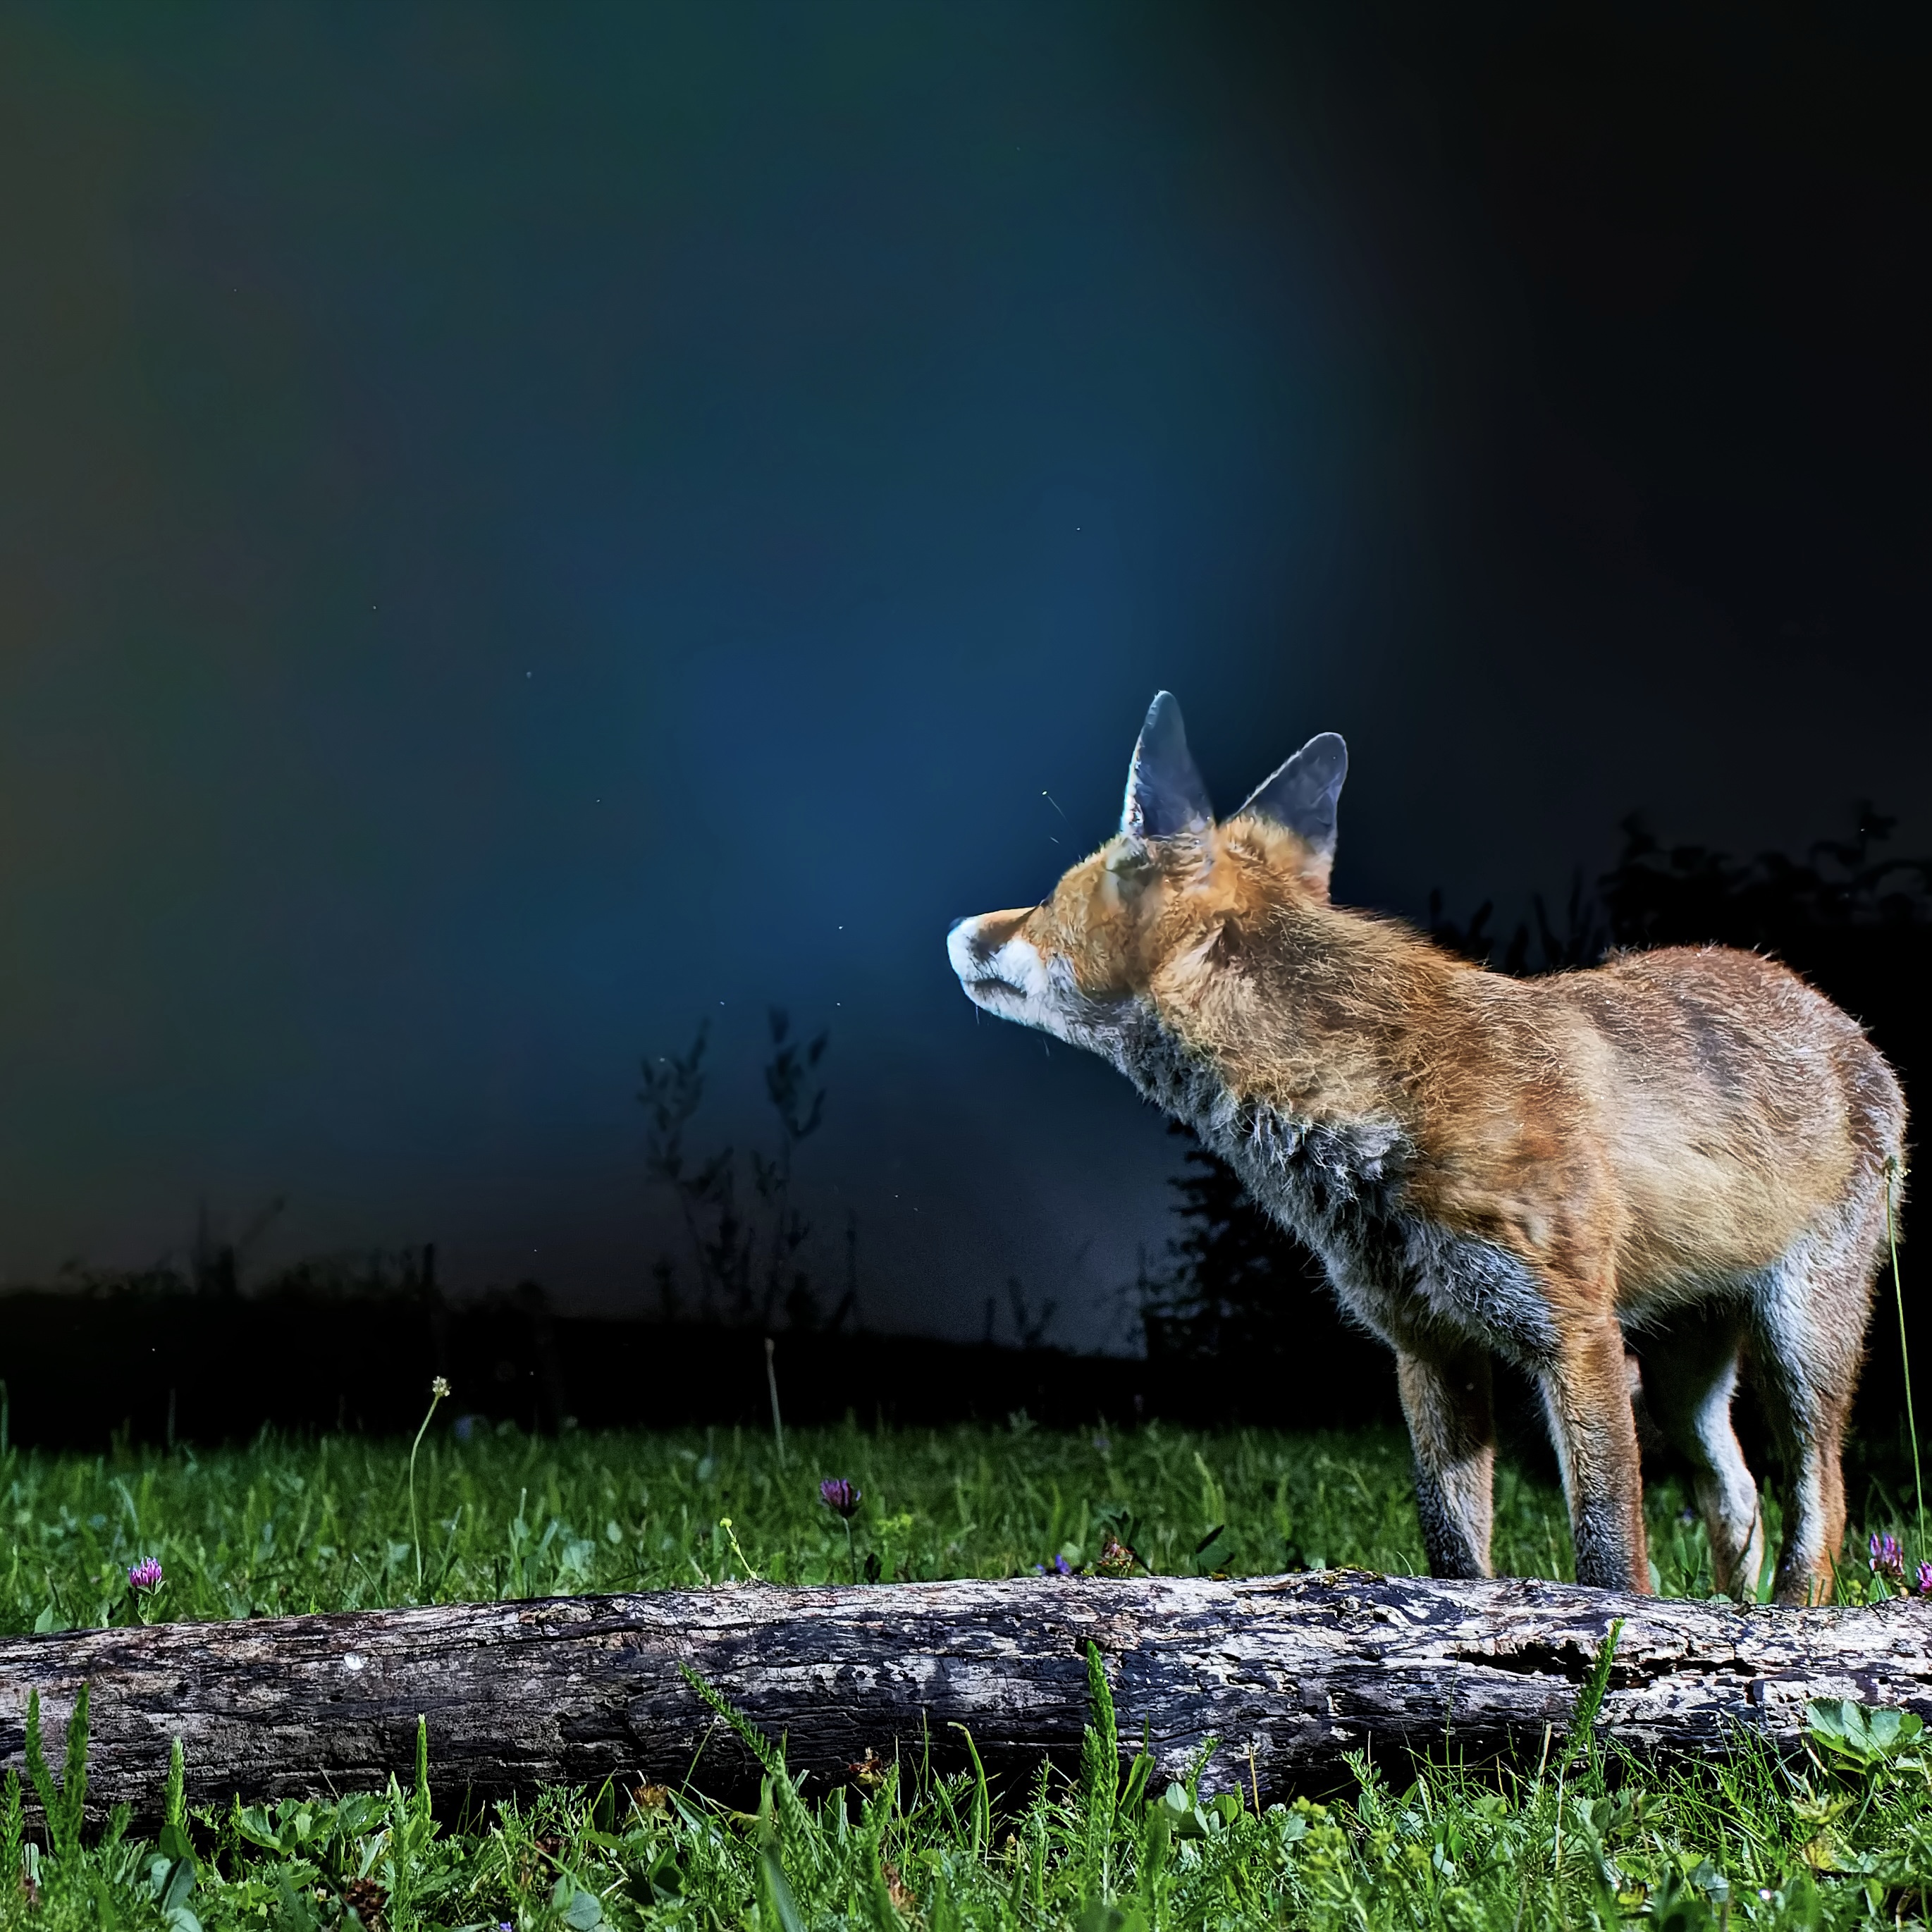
(1059, 1567)
(1887, 1560)
(840, 1497)
(439, 1388)
(145, 1575)
(1115, 1558)
(1925, 1579)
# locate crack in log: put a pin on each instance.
(1566, 1660)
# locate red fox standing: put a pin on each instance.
(1691, 1140)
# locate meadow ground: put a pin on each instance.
(282, 1526)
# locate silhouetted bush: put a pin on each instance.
(748, 1251)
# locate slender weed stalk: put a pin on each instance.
(1891, 1174)
(438, 1390)
(772, 1383)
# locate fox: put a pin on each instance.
(1690, 1146)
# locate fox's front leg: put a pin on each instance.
(1586, 1393)
(1447, 1401)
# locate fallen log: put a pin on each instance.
(1289, 1674)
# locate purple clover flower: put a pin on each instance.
(840, 1496)
(145, 1575)
(1925, 1579)
(1887, 1559)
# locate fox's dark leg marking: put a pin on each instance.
(1447, 1401)
(1586, 1397)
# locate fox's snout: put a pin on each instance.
(974, 941)
(997, 968)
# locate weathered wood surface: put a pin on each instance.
(1289, 1673)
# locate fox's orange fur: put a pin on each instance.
(1691, 1144)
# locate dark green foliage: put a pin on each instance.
(62, 1805)
(1099, 1775)
(1590, 1700)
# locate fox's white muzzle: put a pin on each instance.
(999, 969)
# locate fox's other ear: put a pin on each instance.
(1165, 797)
(1302, 795)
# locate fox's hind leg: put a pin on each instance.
(1586, 1395)
(1690, 1376)
(1447, 1401)
(1810, 1317)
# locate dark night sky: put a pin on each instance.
(522, 528)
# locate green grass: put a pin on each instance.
(284, 1526)
(281, 1527)
(287, 1526)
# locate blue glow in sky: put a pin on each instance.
(523, 533)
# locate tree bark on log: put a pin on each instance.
(1289, 1674)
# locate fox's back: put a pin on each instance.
(1735, 1105)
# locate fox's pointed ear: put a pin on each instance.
(1165, 797)
(1302, 795)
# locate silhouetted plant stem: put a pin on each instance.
(1904, 1353)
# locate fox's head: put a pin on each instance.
(1137, 941)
